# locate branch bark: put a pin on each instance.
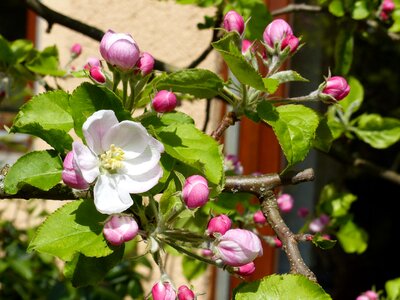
(229, 120)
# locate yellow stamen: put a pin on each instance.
(112, 159)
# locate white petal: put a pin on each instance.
(146, 161)
(96, 127)
(109, 197)
(130, 136)
(86, 161)
(156, 144)
(140, 183)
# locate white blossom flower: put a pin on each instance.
(122, 156)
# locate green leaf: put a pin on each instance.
(392, 288)
(84, 271)
(294, 126)
(46, 63)
(232, 55)
(360, 10)
(344, 51)
(336, 8)
(6, 54)
(323, 136)
(74, 228)
(377, 131)
(271, 84)
(287, 76)
(88, 98)
(352, 102)
(41, 169)
(334, 202)
(193, 268)
(21, 49)
(227, 203)
(322, 242)
(352, 238)
(191, 146)
(335, 125)
(169, 200)
(48, 117)
(279, 287)
(197, 82)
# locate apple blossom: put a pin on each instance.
(285, 203)
(145, 63)
(195, 191)
(120, 229)
(259, 217)
(276, 32)
(219, 224)
(122, 156)
(71, 175)
(163, 291)
(246, 269)
(119, 49)
(184, 293)
(337, 87)
(237, 247)
(164, 101)
(233, 22)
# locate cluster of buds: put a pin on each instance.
(386, 9)
(163, 290)
(278, 38)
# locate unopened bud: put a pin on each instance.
(184, 293)
(318, 224)
(219, 224)
(368, 295)
(285, 203)
(97, 75)
(246, 270)
(246, 44)
(337, 87)
(71, 175)
(259, 217)
(92, 62)
(233, 22)
(76, 50)
(278, 242)
(276, 32)
(164, 101)
(195, 191)
(290, 41)
(303, 212)
(145, 63)
(163, 291)
(120, 229)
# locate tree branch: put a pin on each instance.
(229, 120)
(291, 8)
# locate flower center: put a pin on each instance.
(111, 160)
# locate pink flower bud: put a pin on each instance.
(277, 242)
(92, 62)
(119, 49)
(120, 229)
(71, 175)
(163, 291)
(362, 297)
(76, 50)
(285, 203)
(206, 252)
(336, 87)
(195, 191)
(291, 41)
(97, 74)
(276, 31)
(318, 224)
(303, 212)
(246, 44)
(145, 63)
(388, 6)
(238, 247)
(259, 218)
(184, 293)
(164, 101)
(246, 269)
(233, 22)
(371, 295)
(220, 224)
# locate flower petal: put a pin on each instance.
(140, 183)
(130, 136)
(146, 161)
(86, 161)
(96, 126)
(109, 197)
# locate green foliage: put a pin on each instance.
(51, 124)
(323, 136)
(352, 238)
(353, 101)
(278, 287)
(377, 131)
(197, 82)
(84, 271)
(46, 63)
(74, 228)
(193, 268)
(88, 98)
(294, 126)
(392, 288)
(334, 202)
(287, 76)
(322, 242)
(228, 47)
(41, 169)
(344, 51)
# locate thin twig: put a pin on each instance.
(291, 8)
(229, 120)
(207, 118)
